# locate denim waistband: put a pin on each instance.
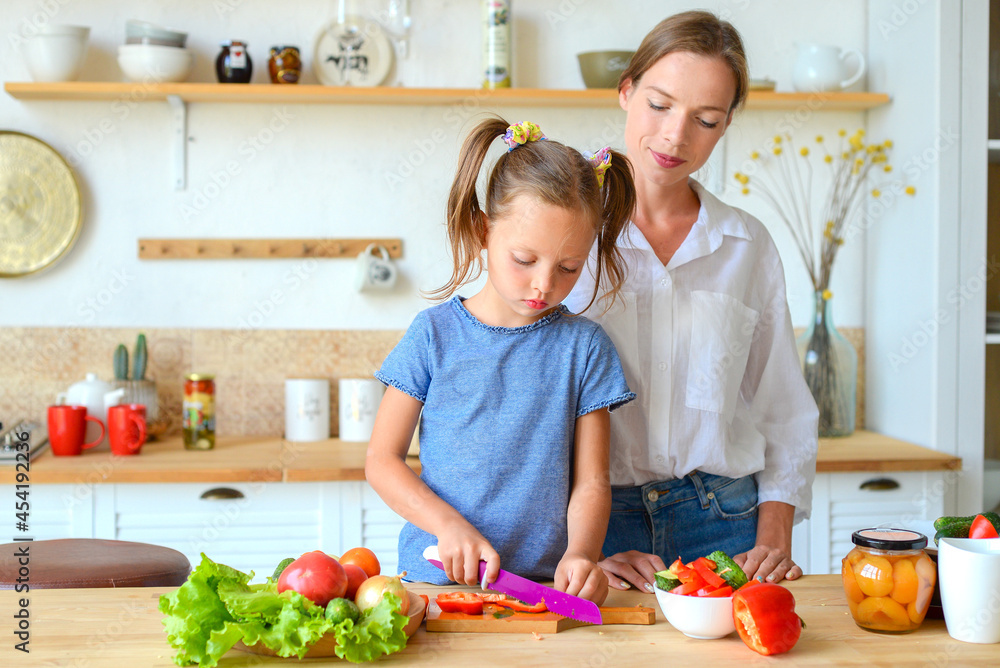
(657, 494)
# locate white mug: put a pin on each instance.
(307, 409)
(374, 272)
(969, 578)
(359, 400)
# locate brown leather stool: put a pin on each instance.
(77, 563)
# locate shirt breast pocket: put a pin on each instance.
(721, 332)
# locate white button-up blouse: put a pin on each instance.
(707, 345)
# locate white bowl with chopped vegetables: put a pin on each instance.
(697, 597)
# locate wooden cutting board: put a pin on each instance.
(526, 622)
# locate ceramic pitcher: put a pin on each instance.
(819, 67)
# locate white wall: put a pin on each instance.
(324, 174)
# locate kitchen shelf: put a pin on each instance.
(314, 94)
(220, 249)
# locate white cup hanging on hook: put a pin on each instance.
(374, 270)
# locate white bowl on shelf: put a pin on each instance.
(702, 617)
(155, 63)
(144, 32)
(56, 53)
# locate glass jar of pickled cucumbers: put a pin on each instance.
(888, 579)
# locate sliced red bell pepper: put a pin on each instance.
(711, 578)
(706, 562)
(715, 592)
(492, 598)
(765, 618)
(682, 571)
(460, 601)
(518, 606)
(982, 528)
(687, 588)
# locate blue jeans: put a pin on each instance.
(686, 518)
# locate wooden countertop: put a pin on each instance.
(249, 459)
(121, 627)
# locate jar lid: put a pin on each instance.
(889, 539)
(200, 376)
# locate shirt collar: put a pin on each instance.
(716, 220)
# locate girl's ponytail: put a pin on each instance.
(618, 200)
(466, 220)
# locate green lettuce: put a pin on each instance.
(217, 607)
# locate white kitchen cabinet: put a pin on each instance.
(249, 526)
(846, 502)
(61, 511)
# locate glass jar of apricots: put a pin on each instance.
(888, 579)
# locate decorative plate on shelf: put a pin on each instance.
(356, 52)
(40, 207)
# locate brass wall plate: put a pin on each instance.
(40, 205)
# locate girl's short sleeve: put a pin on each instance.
(603, 383)
(408, 367)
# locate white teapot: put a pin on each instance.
(821, 68)
(98, 396)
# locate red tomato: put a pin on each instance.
(364, 558)
(315, 575)
(355, 576)
(981, 528)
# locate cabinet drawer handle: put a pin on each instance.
(222, 493)
(879, 485)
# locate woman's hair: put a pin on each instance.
(697, 32)
(551, 173)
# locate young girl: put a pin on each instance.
(513, 392)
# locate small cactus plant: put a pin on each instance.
(121, 362)
(139, 358)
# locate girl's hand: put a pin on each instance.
(461, 550)
(579, 576)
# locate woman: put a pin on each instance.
(719, 449)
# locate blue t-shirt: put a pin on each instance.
(498, 422)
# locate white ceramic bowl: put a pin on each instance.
(143, 32)
(700, 617)
(155, 63)
(969, 578)
(56, 52)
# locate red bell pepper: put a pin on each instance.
(707, 573)
(713, 592)
(460, 601)
(765, 618)
(518, 606)
(982, 528)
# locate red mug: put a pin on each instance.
(126, 428)
(67, 429)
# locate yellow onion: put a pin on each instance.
(370, 592)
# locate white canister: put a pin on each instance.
(359, 400)
(307, 409)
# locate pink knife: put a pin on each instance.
(532, 593)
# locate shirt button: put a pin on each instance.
(663, 366)
(663, 281)
(659, 459)
(653, 495)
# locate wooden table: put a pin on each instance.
(121, 627)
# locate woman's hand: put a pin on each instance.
(579, 576)
(462, 548)
(632, 567)
(769, 564)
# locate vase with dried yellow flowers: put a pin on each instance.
(784, 179)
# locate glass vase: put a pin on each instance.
(830, 367)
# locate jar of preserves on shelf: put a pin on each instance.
(888, 579)
(199, 412)
(233, 64)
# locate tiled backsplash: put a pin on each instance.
(250, 368)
